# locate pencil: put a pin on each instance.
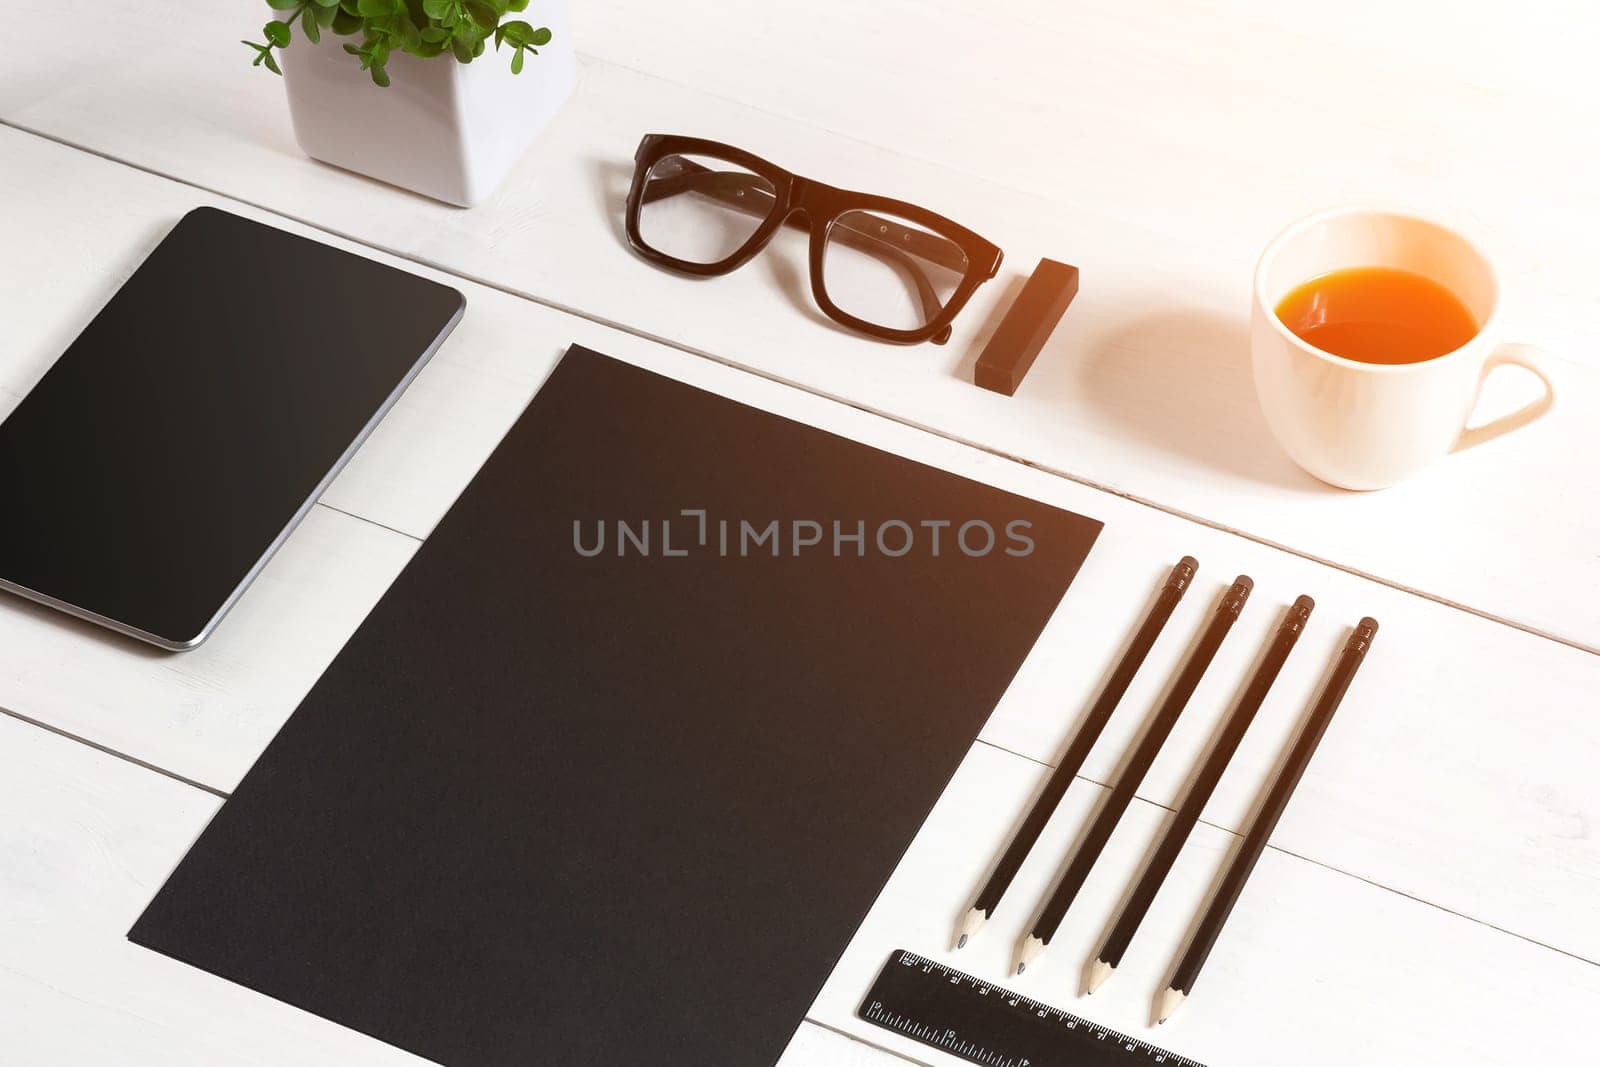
(1216, 761)
(1255, 841)
(1093, 724)
(1166, 716)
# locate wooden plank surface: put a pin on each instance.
(1145, 390)
(1431, 784)
(1312, 967)
(1316, 965)
(1216, 122)
(1430, 894)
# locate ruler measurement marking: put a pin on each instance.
(921, 999)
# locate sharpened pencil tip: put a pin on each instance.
(971, 923)
(1171, 1000)
(1099, 971)
(1030, 949)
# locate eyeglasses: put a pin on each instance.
(886, 268)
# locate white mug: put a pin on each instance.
(1368, 425)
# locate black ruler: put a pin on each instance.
(983, 1023)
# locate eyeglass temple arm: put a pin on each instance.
(745, 192)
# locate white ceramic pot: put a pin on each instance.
(445, 129)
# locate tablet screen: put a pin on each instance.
(169, 451)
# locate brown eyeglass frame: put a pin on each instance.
(804, 203)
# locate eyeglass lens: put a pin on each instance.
(700, 209)
(890, 271)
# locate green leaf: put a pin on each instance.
(425, 28)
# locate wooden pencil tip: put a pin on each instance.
(1030, 950)
(1099, 971)
(970, 925)
(1171, 1000)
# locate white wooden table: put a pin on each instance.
(1431, 895)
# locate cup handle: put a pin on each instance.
(1531, 359)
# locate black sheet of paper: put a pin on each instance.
(548, 807)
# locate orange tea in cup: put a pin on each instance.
(1378, 315)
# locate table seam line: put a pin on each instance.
(834, 1029)
(944, 435)
(1316, 862)
(373, 522)
(125, 757)
(224, 796)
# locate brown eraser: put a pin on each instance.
(1026, 327)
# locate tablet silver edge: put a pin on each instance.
(283, 535)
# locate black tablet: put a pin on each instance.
(171, 449)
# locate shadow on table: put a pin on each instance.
(81, 629)
(1180, 380)
(612, 179)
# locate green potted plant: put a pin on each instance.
(438, 96)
